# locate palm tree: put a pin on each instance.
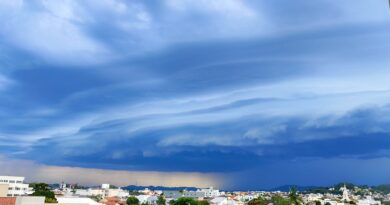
(294, 198)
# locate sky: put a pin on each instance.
(228, 93)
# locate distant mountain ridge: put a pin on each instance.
(286, 188)
(164, 188)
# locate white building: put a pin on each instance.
(222, 201)
(30, 200)
(89, 192)
(105, 186)
(219, 201)
(76, 201)
(368, 201)
(16, 187)
(151, 200)
(210, 192)
(312, 197)
(104, 192)
(248, 197)
(117, 193)
(345, 193)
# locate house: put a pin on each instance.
(223, 201)
(112, 201)
(22, 200)
(3, 190)
(210, 192)
(76, 201)
(16, 187)
(368, 201)
(178, 194)
(7, 200)
(151, 200)
(219, 201)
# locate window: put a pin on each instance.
(19, 182)
(11, 181)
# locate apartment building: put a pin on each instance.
(16, 186)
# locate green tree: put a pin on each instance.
(96, 198)
(42, 189)
(386, 202)
(327, 203)
(161, 200)
(184, 201)
(293, 196)
(132, 200)
(318, 203)
(279, 200)
(258, 201)
(204, 202)
(188, 201)
(113, 186)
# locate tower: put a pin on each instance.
(345, 193)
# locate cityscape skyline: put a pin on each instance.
(15, 191)
(231, 94)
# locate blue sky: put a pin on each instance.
(257, 93)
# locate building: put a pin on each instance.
(22, 200)
(345, 194)
(178, 194)
(7, 200)
(112, 201)
(147, 199)
(3, 190)
(210, 192)
(368, 201)
(222, 201)
(219, 201)
(76, 201)
(16, 187)
(30, 200)
(105, 186)
(104, 191)
(172, 194)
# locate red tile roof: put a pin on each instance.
(7, 200)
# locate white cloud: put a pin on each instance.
(198, 140)
(265, 135)
(326, 96)
(52, 38)
(62, 31)
(224, 7)
(68, 31)
(5, 82)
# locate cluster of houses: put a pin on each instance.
(346, 198)
(107, 194)
(13, 191)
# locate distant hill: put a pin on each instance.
(286, 188)
(384, 188)
(134, 187)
